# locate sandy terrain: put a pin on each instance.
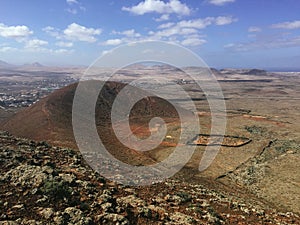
(261, 107)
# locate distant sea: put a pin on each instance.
(282, 69)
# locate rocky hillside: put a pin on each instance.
(41, 184)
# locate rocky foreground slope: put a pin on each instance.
(41, 184)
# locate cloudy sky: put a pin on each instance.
(224, 33)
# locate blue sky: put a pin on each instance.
(224, 33)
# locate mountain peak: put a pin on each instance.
(37, 64)
(5, 64)
(34, 64)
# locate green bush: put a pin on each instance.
(285, 145)
(255, 129)
(57, 190)
(185, 197)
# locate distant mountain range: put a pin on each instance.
(244, 71)
(215, 71)
(4, 64)
(253, 71)
(35, 64)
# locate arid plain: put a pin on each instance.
(261, 106)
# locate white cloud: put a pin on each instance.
(15, 32)
(77, 32)
(75, 6)
(238, 47)
(287, 25)
(7, 49)
(53, 32)
(254, 29)
(163, 17)
(130, 33)
(73, 32)
(64, 44)
(35, 46)
(165, 25)
(277, 42)
(127, 33)
(35, 43)
(188, 32)
(104, 52)
(125, 36)
(158, 6)
(48, 29)
(196, 23)
(165, 32)
(224, 20)
(191, 26)
(203, 23)
(220, 2)
(193, 41)
(172, 31)
(70, 2)
(116, 41)
(62, 51)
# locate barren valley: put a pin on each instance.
(257, 165)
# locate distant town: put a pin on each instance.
(16, 94)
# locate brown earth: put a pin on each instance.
(51, 119)
(41, 184)
(267, 168)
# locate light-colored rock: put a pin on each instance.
(26, 175)
(47, 212)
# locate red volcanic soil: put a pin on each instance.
(50, 119)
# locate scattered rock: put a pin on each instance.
(41, 184)
(112, 219)
(180, 218)
(26, 175)
(47, 213)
